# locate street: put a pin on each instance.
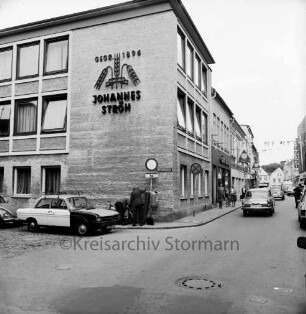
(233, 265)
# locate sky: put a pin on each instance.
(259, 48)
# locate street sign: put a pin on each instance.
(195, 168)
(151, 175)
(151, 164)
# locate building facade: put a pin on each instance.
(87, 99)
(251, 172)
(221, 117)
(276, 177)
(238, 145)
(301, 150)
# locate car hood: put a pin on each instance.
(11, 209)
(100, 211)
(256, 201)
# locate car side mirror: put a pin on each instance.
(301, 242)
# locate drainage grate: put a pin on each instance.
(198, 283)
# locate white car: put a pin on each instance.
(68, 211)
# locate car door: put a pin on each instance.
(58, 214)
(40, 212)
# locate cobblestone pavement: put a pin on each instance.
(18, 240)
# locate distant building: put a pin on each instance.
(277, 177)
(264, 178)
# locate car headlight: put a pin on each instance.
(4, 214)
(99, 219)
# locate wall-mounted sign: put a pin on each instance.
(164, 169)
(224, 161)
(151, 164)
(117, 76)
(151, 175)
(195, 168)
(244, 158)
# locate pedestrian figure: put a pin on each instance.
(221, 195)
(297, 194)
(227, 199)
(242, 196)
(233, 196)
(137, 203)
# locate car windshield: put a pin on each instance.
(257, 194)
(77, 203)
(275, 189)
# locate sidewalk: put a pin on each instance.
(199, 219)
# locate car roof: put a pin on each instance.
(62, 196)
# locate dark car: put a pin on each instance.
(258, 200)
(75, 212)
(290, 191)
(8, 214)
(301, 243)
(277, 192)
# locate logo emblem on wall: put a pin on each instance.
(117, 77)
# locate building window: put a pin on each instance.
(198, 124)
(189, 117)
(51, 179)
(204, 80)
(56, 56)
(28, 60)
(54, 114)
(22, 180)
(181, 117)
(204, 128)
(183, 172)
(206, 182)
(181, 49)
(1, 179)
(195, 184)
(5, 113)
(25, 116)
(189, 61)
(6, 64)
(197, 71)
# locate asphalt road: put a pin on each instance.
(232, 265)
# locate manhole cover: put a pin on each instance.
(198, 283)
(63, 267)
(30, 239)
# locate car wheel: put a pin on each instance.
(82, 229)
(2, 224)
(245, 213)
(32, 225)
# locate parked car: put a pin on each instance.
(302, 211)
(277, 192)
(290, 191)
(75, 212)
(301, 243)
(258, 200)
(8, 215)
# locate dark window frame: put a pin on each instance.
(45, 100)
(183, 39)
(45, 169)
(16, 116)
(33, 43)
(17, 174)
(181, 95)
(6, 103)
(3, 50)
(52, 40)
(190, 75)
